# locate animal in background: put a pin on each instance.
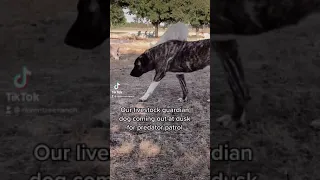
(178, 31)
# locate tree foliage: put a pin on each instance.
(155, 11)
(196, 13)
(117, 16)
(179, 10)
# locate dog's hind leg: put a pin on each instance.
(183, 87)
(152, 86)
(229, 55)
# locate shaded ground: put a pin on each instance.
(63, 77)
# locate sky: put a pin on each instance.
(128, 16)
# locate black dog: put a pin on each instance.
(172, 56)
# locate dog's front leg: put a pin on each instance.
(150, 90)
(183, 85)
(152, 86)
(228, 53)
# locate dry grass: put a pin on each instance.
(159, 154)
(138, 46)
(161, 30)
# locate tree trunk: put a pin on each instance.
(156, 26)
(197, 31)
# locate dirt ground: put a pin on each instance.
(163, 153)
(122, 38)
(159, 154)
(281, 67)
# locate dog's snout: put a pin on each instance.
(135, 72)
(132, 73)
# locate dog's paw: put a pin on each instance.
(243, 119)
(182, 100)
(225, 120)
(315, 124)
(142, 100)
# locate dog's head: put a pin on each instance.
(142, 64)
(91, 27)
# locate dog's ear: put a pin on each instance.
(138, 63)
(144, 60)
(144, 63)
